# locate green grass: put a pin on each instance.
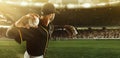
(66, 49)
(84, 49)
(11, 49)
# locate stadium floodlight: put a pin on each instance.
(101, 4)
(70, 6)
(23, 3)
(56, 5)
(86, 5)
(9, 2)
(38, 4)
(0, 0)
(114, 2)
(2, 16)
(3, 26)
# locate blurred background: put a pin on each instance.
(84, 18)
(82, 28)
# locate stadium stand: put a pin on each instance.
(99, 34)
(78, 17)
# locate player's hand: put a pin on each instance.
(27, 21)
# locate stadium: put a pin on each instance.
(82, 28)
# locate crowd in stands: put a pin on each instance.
(3, 32)
(99, 34)
(65, 33)
(92, 34)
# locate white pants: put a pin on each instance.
(26, 55)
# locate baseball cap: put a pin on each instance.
(48, 8)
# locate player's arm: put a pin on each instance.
(14, 33)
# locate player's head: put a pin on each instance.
(48, 12)
(47, 9)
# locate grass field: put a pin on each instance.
(66, 49)
(11, 49)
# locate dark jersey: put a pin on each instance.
(36, 38)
